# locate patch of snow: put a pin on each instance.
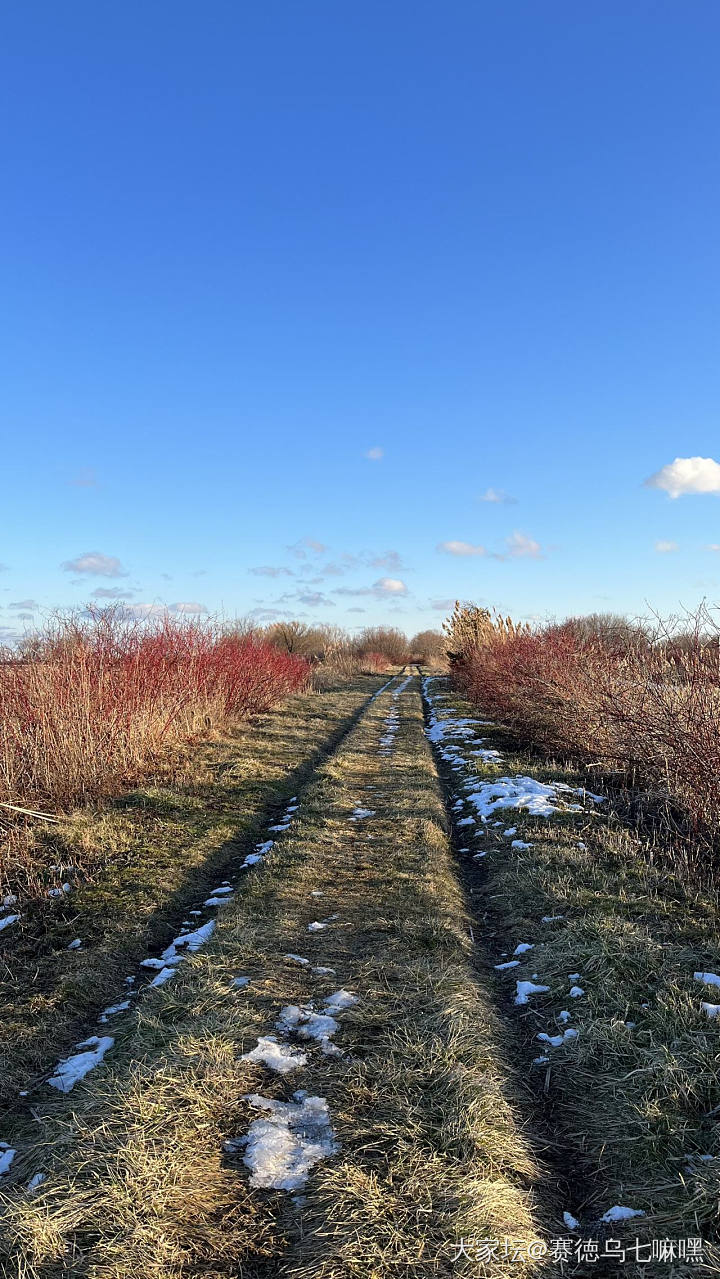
(283, 1146)
(166, 972)
(523, 946)
(279, 1057)
(122, 1007)
(36, 1181)
(710, 979)
(571, 1222)
(712, 1010)
(70, 1071)
(576, 992)
(511, 830)
(341, 999)
(620, 1213)
(511, 963)
(550, 919)
(520, 792)
(10, 900)
(554, 1041)
(527, 988)
(297, 959)
(324, 972)
(316, 926)
(8, 920)
(74, 945)
(218, 901)
(359, 814)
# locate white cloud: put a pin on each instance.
(461, 548)
(388, 559)
(316, 599)
(714, 546)
(389, 586)
(497, 495)
(29, 606)
(271, 570)
(139, 611)
(687, 475)
(521, 546)
(665, 547)
(442, 606)
(112, 593)
(95, 564)
(191, 609)
(375, 454)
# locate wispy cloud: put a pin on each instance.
(375, 454)
(442, 606)
(687, 475)
(112, 593)
(461, 548)
(271, 570)
(497, 496)
(664, 548)
(28, 606)
(300, 548)
(95, 564)
(191, 609)
(520, 546)
(387, 559)
(384, 588)
(315, 599)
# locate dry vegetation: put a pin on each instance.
(638, 707)
(422, 1101)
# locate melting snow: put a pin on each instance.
(522, 947)
(521, 792)
(74, 1068)
(240, 982)
(619, 1213)
(360, 813)
(280, 1057)
(710, 979)
(7, 1154)
(571, 1222)
(282, 1147)
(576, 992)
(511, 963)
(113, 1009)
(712, 1010)
(8, 920)
(527, 988)
(555, 1041)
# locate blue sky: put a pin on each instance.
(244, 246)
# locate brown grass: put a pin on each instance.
(422, 1101)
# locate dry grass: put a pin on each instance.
(422, 1100)
(139, 863)
(627, 1110)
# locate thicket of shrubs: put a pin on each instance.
(638, 704)
(91, 703)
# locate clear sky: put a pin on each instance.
(279, 277)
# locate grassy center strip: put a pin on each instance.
(144, 1163)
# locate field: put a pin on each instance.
(380, 980)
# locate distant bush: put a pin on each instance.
(384, 640)
(429, 648)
